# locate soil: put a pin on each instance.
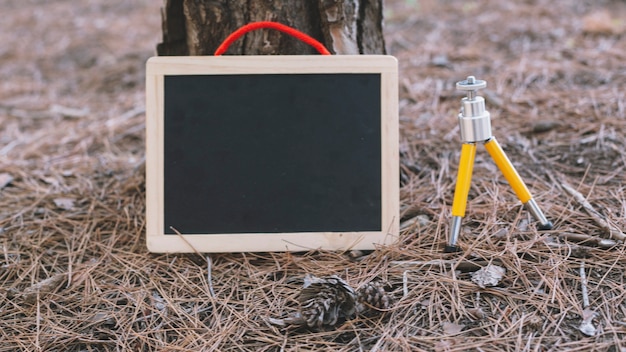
(75, 274)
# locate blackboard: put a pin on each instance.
(271, 153)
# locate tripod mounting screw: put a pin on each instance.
(471, 85)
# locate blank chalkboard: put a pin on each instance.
(271, 153)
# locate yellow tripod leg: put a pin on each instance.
(514, 179)
(463, 181)
(509, 172)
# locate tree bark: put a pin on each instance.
(197, 27)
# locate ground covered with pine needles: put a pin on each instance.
(75, 274)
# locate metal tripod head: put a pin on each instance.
(474, 119)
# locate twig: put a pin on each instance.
(209, 276)
(583, 285)
(405, 284)
(38, 323)
(613, 231)
(587, 239)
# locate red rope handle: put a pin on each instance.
(274, 25)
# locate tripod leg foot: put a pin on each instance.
(533, 208)
(455, 230)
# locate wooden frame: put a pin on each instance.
(160, 67)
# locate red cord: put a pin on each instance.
(274, 25)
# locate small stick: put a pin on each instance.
(583, 285)
(38, 323)
(588, 239)
(208, 275)
(613, 231)
(405, 284)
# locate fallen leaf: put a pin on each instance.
(104, 318)
(601, 22)
(441, 61)
(501, 234)
(50, 180)
(477, 313)
(274, 321)
(354, 254)
(5, 179)
(586, 326)
(443, 345)
(157, 301)
(68, 112)
(452, 328)
(64, 203)
(488, 276)
(545, 126)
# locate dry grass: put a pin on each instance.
(75, 274)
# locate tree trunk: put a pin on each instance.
(197, 27)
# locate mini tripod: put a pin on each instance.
(475, 125)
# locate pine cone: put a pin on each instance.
(324, 301)
(374, 295)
